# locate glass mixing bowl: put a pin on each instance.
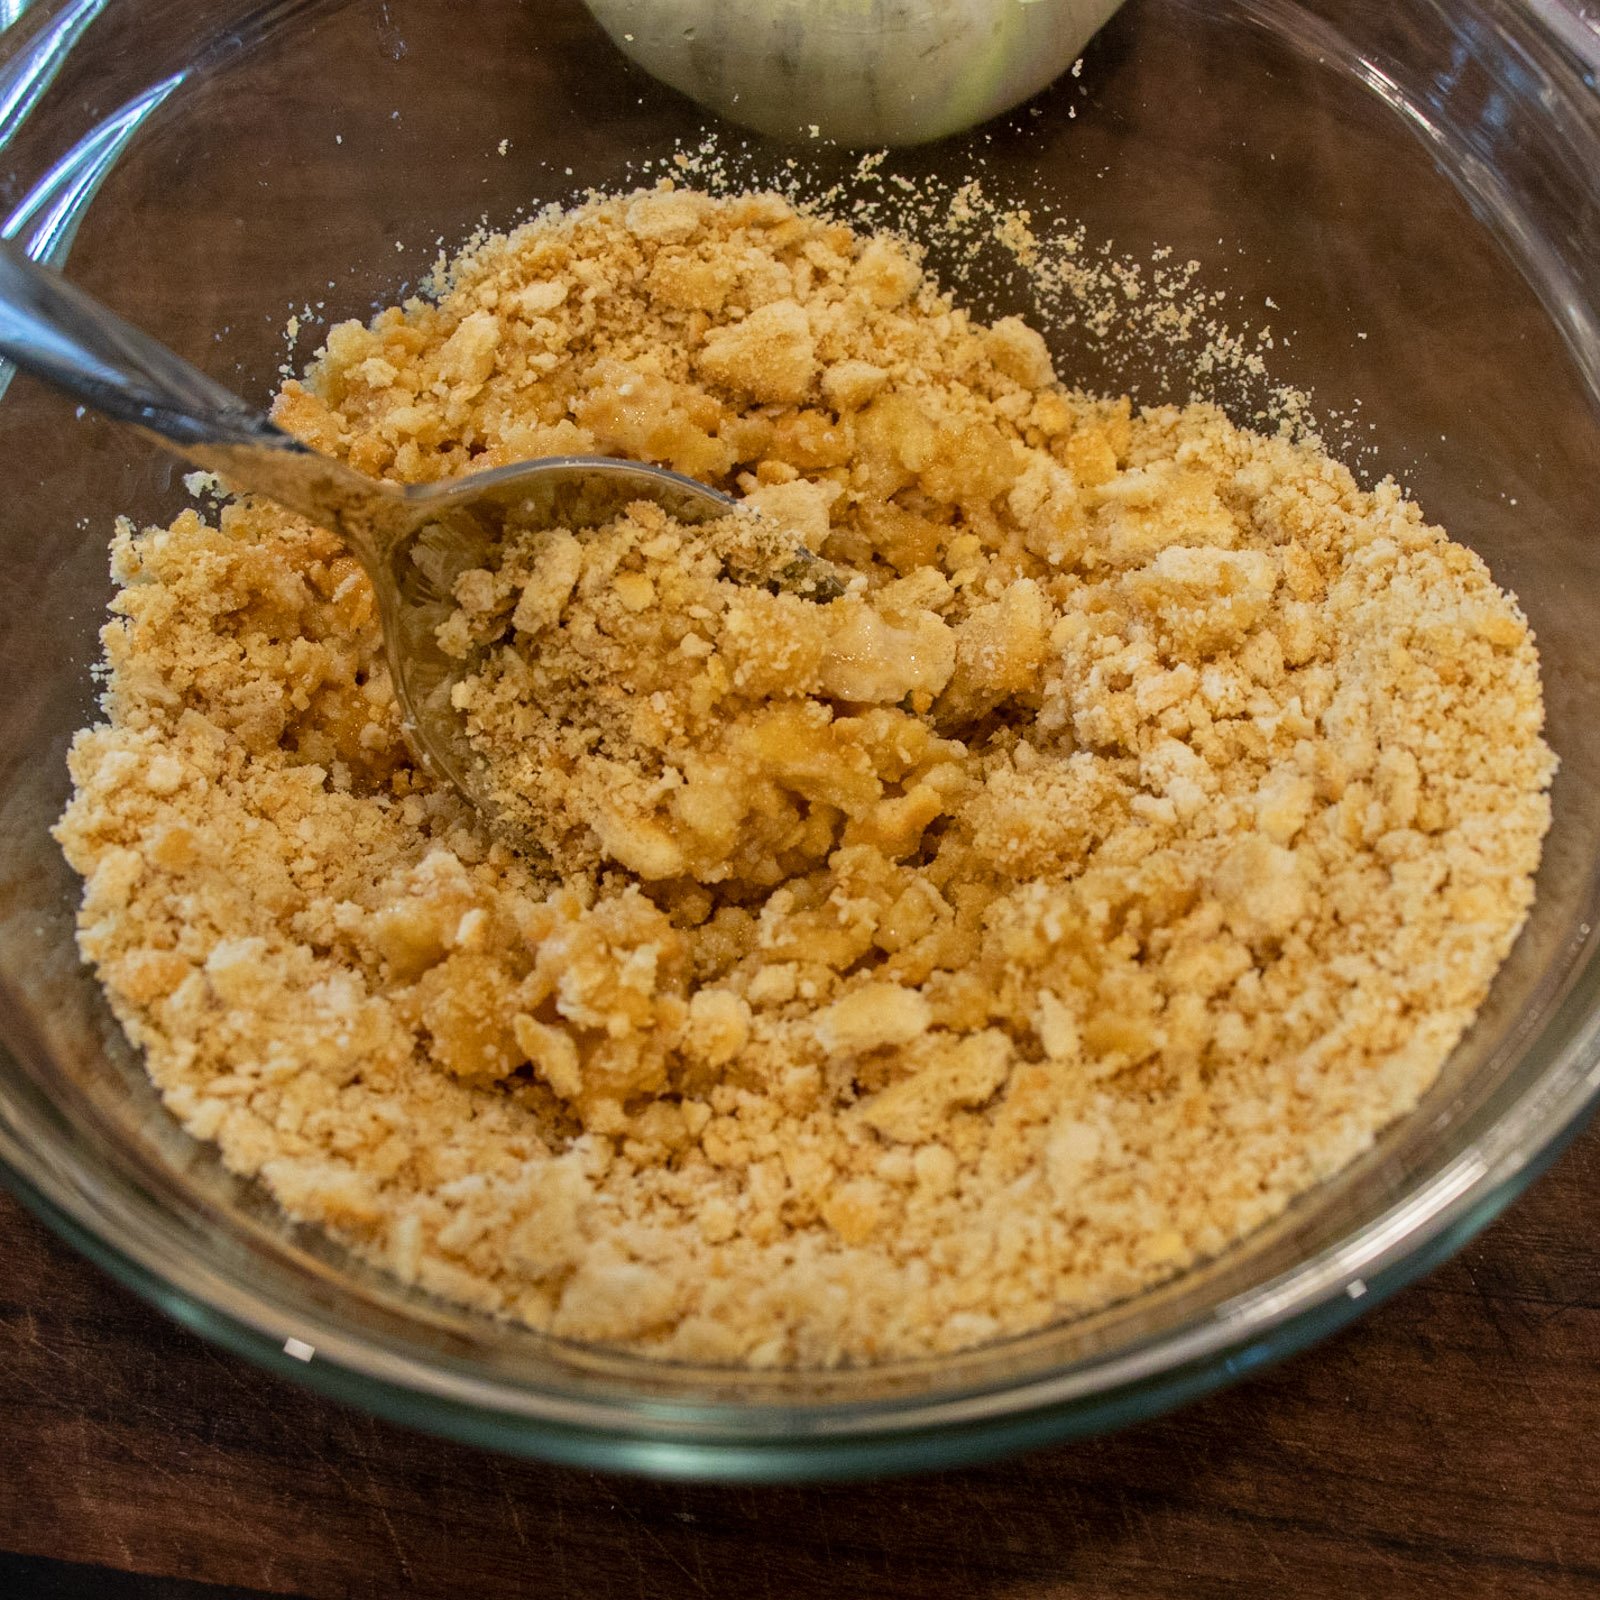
(1416, 187)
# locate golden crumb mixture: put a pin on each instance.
(1128, 845)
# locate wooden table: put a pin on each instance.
(1445, 1445)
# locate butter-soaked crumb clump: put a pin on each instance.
(639, 699)
(1126, 847)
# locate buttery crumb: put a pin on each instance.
(1125, 848)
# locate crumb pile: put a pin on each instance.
(1127, 846)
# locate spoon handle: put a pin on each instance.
(66, 338)
(63, 336)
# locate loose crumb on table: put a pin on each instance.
(1127, 847)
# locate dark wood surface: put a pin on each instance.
(1444, 1445)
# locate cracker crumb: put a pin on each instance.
(1124, 850)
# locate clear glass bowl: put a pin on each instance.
(1415, 185)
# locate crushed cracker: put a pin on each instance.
(1127, 847)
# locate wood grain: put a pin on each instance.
(1442, 1446)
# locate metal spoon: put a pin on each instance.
(414, 540)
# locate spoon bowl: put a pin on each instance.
(414, 540)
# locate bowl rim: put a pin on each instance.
(719, 1441)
